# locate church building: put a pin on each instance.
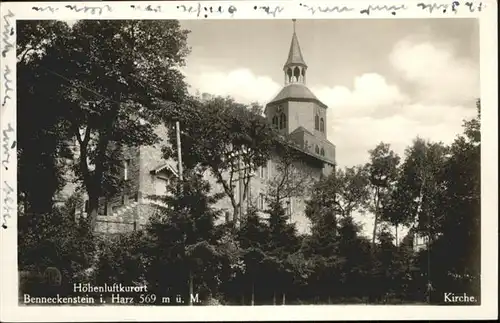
(295, 112)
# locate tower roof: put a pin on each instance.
(295, 54)
(296, 91)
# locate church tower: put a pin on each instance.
(295, 67)
(296, 112)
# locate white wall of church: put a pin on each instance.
(300, 114)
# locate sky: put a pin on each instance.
(383, 80)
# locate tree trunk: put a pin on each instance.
(283, 299)
(397, 241)
(375, 223)
(274, 297)
(253, 293)
(236, 209)
(93, 211)
(190, 287)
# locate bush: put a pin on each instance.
(121, 259)
(53, 240)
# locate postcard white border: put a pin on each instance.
(11, 311)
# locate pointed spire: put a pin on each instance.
(295, 54)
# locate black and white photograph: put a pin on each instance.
(275, 162)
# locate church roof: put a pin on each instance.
(301, 129)
(165, 166)
(295, 54)
(294, 145)
(295, 91)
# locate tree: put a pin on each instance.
(388, 270)
(252, 237)
(291, 177)
(53, 239)
(341, 193)
(193, 248)
(283, 242)
(225, 138)
(333, 234)
(118, 78)
(410, 274)
(41, 145)
(356, 266)
(414, 199)
(455, 252)
(382, 170)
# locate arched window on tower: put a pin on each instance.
(317, 149)
(296, 74)
(275, 122)
(322, 151)
(289, 74)
(282, 121)
(316, 122)
(322, 125)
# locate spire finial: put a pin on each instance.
(294, 20)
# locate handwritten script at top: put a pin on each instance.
(205, 11)
(270, 11)
(314, 9)
(92, 10)
(431, 7)
(392, 9)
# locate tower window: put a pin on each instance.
(107, 208)
(322, 125)
(289, 74)
(263, 171)
(126, 165)
(248, 194)
(275, 122)
(282, 121)
(322, 151)
(317, 149)
(296, 74)
(316, 122)
(261, 202)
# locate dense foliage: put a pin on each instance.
(121, 85)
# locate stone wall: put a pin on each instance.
(151, 157)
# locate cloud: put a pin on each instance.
(371, 95)
(241, 84)
(373, 110)
(439, 74)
